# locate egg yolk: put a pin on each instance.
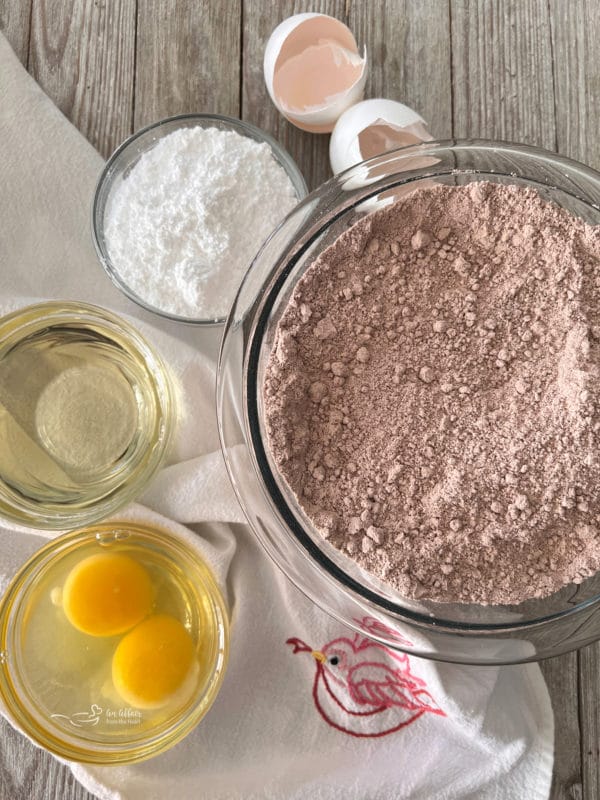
(152, 662)
(107, 594)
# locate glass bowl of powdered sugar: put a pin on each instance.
(182, 207)
(408, 400)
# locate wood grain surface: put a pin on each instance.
(525, 70)
(82, 53)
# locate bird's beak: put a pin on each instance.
(319, 656)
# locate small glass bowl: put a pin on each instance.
(127, 155)
(56, 681)
(457, 632)
(86, 414)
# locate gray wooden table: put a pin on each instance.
(522, 70)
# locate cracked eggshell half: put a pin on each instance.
(371, 128)
(313, 70)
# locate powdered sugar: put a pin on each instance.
(432, 395)
(183, 226)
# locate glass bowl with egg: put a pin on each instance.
(86, 414)
(462, 632)
(199, 285)
(113, 643)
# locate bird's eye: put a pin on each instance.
(334, 661)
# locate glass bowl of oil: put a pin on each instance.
(86, 414)
(113, 643)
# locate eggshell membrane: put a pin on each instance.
(372, 128)
(276, 42)
(313, 70)
(366, 173)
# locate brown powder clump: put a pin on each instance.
(432, 395)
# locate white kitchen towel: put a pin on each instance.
(284, 725)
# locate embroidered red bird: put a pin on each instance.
(364, 689)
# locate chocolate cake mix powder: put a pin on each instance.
(432, 395)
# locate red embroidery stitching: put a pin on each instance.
(353, 687)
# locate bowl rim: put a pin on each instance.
(256, 318)
(247, 129)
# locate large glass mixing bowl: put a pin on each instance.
(458, 632)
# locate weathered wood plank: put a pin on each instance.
(15, 19)
(82, 54)
(408, 46)
(27, 772)
(502, 75)
(561, 676)
(503, 87)
(589, 719)
(575, 39)
(310, 151)
(188, 59)
(575, 32)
